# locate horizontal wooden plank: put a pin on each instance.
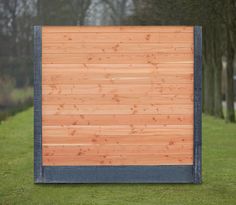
(148, 159)
(162, 138)
(112, 29)
(70, 78)
(153, 109)
(117, 120)
(115, 99)
(124, 37)
(111, 75)
(122, 67)
(116, 130)
(155, 89)
(103, 58)
(113, 150)
(68, 47)
(116, 72)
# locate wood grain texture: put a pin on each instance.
(117, 96)
(116, 89)
(117, 119)
(162, 139)
(87, 99)
(145, 159)
(68, 47)
(70, 78)
(122, 67)
(113, 58)
(124, 37)
(115, 29)
(75, 130)
(150, 109)
(83, 150)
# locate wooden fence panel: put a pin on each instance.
(117, 97)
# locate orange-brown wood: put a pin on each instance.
(102, 69)
(113, 58)
(143, 159)
(124, 37)
(108, 79)
(161, 139)
(117, 119)
(115, 29)
(116, 130)
(109, 89)
(83, 150)
(122, 67)
(149, 109)
(117, 95)
(68, 47)
(88, 99)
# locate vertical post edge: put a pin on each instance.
(38, 169)
(197, 161)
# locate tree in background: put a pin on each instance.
(62, 12)
(118, 10)
(229, 17)
(16, 19)
(218, 21)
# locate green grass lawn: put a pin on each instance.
(17, 186)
